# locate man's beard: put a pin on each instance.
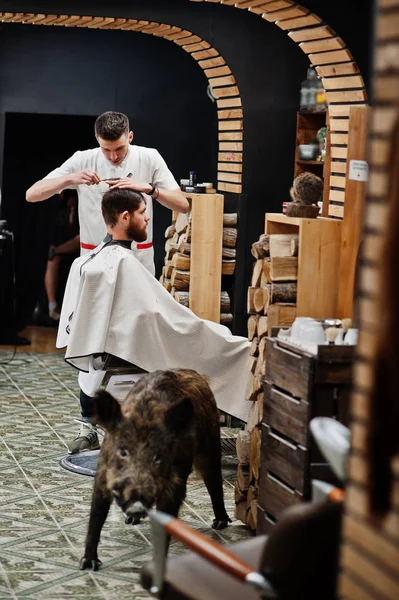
(137, 234)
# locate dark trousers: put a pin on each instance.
(87, 405)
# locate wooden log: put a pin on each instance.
(250, 300)
(175, 238)
(228, 267)
(161, 279)
(182, 297)
(284, 268)
(280, 315)
(171, 251)
(183, 246)
(239, 496)
(266, 276)
(257, 271)
(167, 284)
(254, 515)
(257, 384)
(229, 237)
(169, 268)
(181, 261)
(254, 453)
(280, 244)
(181, 223)
(252, 495)
(253, 361)
(226, 318)
(261, 299)
(249, 392)
(283, 292)
(225, 303)
(253, 417)
(262, 350)
(250, 520)
(243, 477)
(261, 327)
(229, 219)
(263, 281)
(228, 253)
(242, 447)
(168, 244)
(260, 249)
(170, 231)
(295, 246)
(180, 279)
(240, 511)
(260, 368)
(260, 403)
(188, 232)
(252, 326)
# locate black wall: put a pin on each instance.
(84, 72)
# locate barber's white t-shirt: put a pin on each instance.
(145, 164)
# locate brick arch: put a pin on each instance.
(326, 52)
(342, 80)
(218, 73)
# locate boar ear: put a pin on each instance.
(178, 418)
(107, 410)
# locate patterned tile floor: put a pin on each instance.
(44, 509)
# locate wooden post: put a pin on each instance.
(353, 211)
(206, 255)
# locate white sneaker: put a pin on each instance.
(54, 314)
(87, 439)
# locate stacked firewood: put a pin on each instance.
(175, 275)
(271, 303)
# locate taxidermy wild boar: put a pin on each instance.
(168, 422)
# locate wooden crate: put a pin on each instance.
(318, 262)
(297, 387)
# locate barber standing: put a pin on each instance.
(88, 171)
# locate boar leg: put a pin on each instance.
(210, 467)
(100, 504)
(171, 504)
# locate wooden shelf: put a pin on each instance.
(318, 262)
(307, 126)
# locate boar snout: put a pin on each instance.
(135, 512)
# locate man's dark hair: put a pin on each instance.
(116, 201)
(111, 125)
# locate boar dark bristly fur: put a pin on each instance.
(168, 422)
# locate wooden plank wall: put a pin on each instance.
(370, 552)
(220, 77)
(342, 80)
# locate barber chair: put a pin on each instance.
(119, 375)
(297, 561)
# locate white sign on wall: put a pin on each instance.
(358, 170)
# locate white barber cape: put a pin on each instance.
(113, 305)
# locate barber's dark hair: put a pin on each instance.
(116, 201)
(111, 125)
